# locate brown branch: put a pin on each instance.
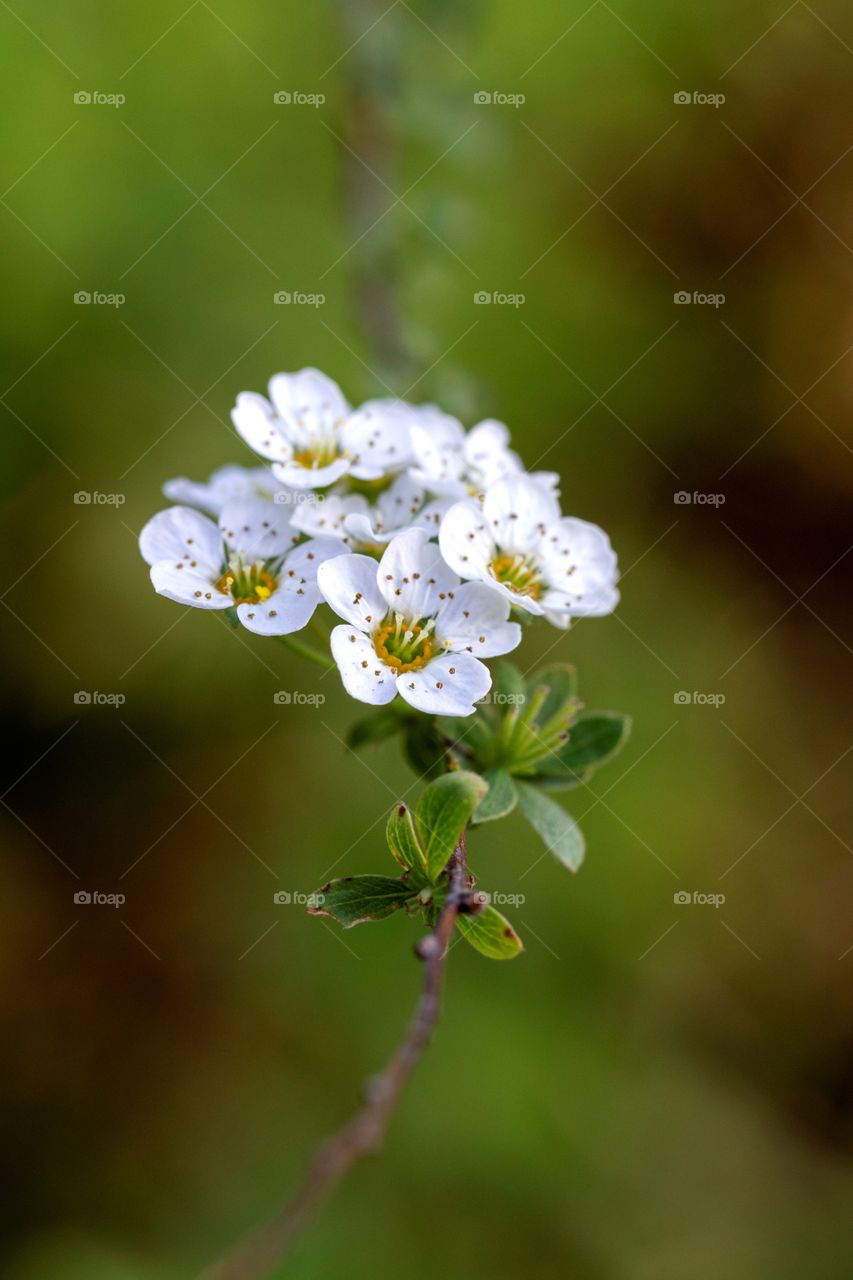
(255, 1258)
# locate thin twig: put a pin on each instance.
(267, 1248)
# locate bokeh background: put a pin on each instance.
(655, 1090)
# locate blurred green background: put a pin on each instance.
(654, 1090)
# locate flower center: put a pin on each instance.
(403, 644)
(519, 573)
(247, 582)
(323, 453)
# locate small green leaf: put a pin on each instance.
(356, 899)
(560, 832)
(509, 686)
(425, 750)
(376, 728)
(443, 812)
(403, 839)
(500, 799)
(491, 934)
(562, 684)
(593, 740)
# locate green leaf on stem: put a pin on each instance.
(500, 799)
(357, 899)
(559, 831)
(561, 681)
(403, 838)
(491, 934)
(444, 810)
(376, 728)
(593, 740)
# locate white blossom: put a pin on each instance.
(366, 526)
(520, 546)
(309, 433)
(248, 561)
(227, 484)
(411, 628)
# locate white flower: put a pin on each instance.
(448, 460)
(248, 560)
(410, 628)
(313, 438)
(365, 527)
(227, 484)
(552, 565)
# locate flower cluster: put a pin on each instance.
(430, 542)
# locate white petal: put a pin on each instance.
(361, 532)
(306, 560)
(225, 485)
(256, 422)
(309, 404)
(289, 608)
(447, 686)
(188, 586)
(400, 502)
(365, 676)
(256, 529)
(412, 575)
(517, 511)
(487, 453)
(348, 584)
(181, 534)
(376, 437)
(430, 516)
(476, 621)
(466, 541)
(299, 477)
(327, 515)
(580, 569)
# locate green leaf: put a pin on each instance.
(500, 799)
(562, 684)
(443, 812)
(560, 832)
(403, 839)
(593, 740)
(356, 899)
(376, 728)
(508, 688)
(491, 934)
(425, 750)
